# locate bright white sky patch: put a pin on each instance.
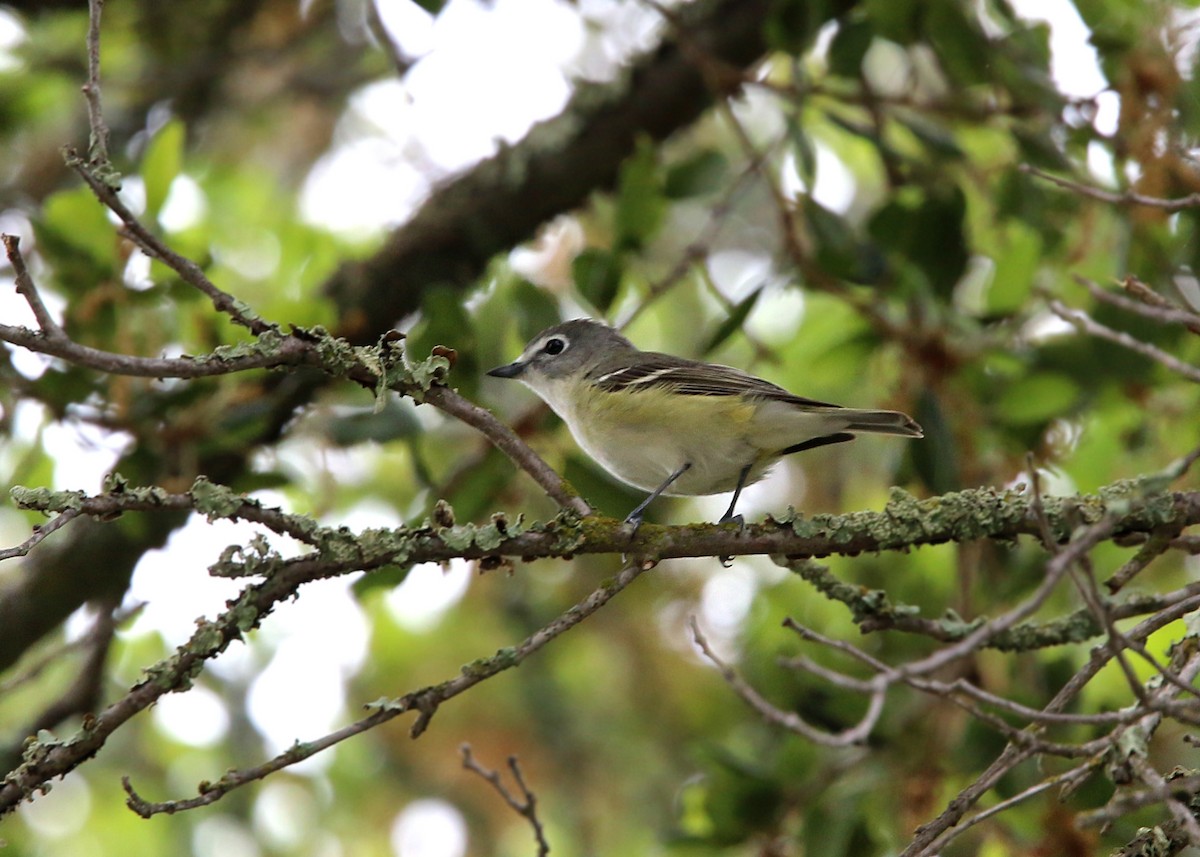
(429, 828)
(61, 812)
(1073, 62)
(427, 592)
(285, 814)
(223, 836)
(320, 638)
(11, 35)
(835, 185)
(491, 71)
(198, 717)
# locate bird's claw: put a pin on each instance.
(727, 518)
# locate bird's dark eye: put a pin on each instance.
(554, 346)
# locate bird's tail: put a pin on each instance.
(881, 422)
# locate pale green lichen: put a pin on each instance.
(45, 500)
(269, 343)
(385, 703)
(432, 370)
(863, 602)
(255, 559)
(215, 501)
(504, 658)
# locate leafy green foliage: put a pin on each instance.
(914, 273)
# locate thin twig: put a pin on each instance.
(98, 138)
(1162, 310)
(1123, 803)
(1126, 198)
(789, 720)
(28, 290)
(450, 402)
(155, 248)
(1067, 778)
(1155, 546)
(40, 532)
(1151, 298)
(525, 806)
(932, 837)
(424, 701)
(1086, 324)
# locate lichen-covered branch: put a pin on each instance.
(903, 524)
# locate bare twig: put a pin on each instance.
(54, 655)
(932, 836)
(98, 140)
(789, 720)
(424, 701)
(1067, 779)
(1148, 296)
(1157, 308)
(28, 290)
(40, 532)
(1125, 198)
(1182, 814)
(450, 402)
(1155, 546)
(1084, 323)
(1124, 802)
(277, 351)
(525, 805)
(155, 248)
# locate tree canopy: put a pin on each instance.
(282, 571)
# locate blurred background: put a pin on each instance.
(836, 202)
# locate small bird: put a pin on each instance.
(674, 426)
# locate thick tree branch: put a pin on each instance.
(502, 201)
(904, 523)
(489, 209)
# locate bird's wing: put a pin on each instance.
(692, 378)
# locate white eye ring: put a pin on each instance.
(555, 345)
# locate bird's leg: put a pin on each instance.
(729, 516)
(635, 517)
(737, 492)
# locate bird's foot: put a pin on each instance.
(727, 518)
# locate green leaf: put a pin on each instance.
(444, 321)
(935, 456)
(76, 237)
(839, 249)
(597, 275)
(963, 50)
(640, 202)
(1036, 399)
(161, 164)
(935, 136)
(792, 25)
(929, 232)
(700, 174)
(1016, 264)
(395, 420)
(849, 46)
(896, 20)
(736, 318)
(535, 309)
(805, 152)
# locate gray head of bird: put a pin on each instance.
(566, 350)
